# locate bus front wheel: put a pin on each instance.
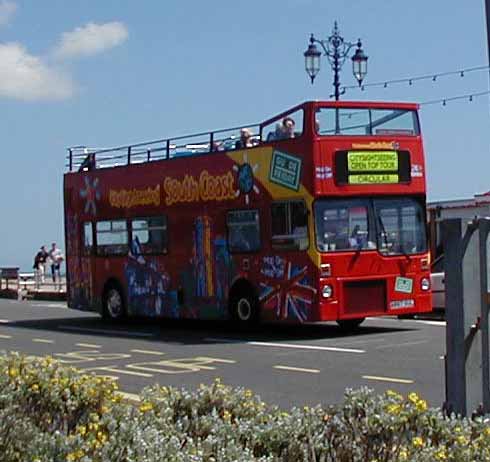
(244, 309)
(350, 324)
(113, 300)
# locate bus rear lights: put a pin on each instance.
(425, 283)
(327, 291)
(325, 270)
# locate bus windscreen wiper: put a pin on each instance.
(383, 232)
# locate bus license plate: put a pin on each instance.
(400, 304)
(403, 285)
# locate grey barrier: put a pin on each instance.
(466, 285)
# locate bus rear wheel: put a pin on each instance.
(244, 309)
(349, 325)
(113, 303)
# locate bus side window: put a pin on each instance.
(88, 238)
(243, 231)
(149, 235)
(289, 225)
(112, 237)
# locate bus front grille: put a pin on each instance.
(364, 297)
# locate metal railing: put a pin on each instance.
(88, 158)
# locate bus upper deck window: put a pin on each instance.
(366, 122)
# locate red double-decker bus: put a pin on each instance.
(317, 214)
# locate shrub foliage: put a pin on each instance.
(50, 412)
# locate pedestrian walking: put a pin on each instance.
(56, 257)
(39, 266)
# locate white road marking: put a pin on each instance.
(107, 331)
(115, 378)
(4, 321)
(148, 352)
(5, 336)
(117, 371)
(307, 347)
(297, 369)
(387, 379)
(364, 341)
(49, 305)
(432, 323)
(287, 345)
(218, 360)
(398, 345)
(42, 340)
(88, 345)
(76, 357)
(180, 366)
(129, 396)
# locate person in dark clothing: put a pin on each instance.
(39, 265)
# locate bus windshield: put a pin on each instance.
(393, 226)
(356, 121)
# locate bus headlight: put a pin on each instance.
(425, 283)
(327, 291)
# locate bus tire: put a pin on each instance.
(349, 325)
(244, 308)
(114, 306)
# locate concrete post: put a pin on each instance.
(453, 282)
(467, 332)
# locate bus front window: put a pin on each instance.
(343, 225)
(354, 121)
(401, 226)
(394, 226)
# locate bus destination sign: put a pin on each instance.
(371, 167)
(365, 167)
(374, 178)
(372, 161)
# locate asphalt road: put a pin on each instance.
(285, 365)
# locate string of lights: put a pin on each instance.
(469, 97)
(411, 80)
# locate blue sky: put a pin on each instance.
(119, 71)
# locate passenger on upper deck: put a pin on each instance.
(285, 130)
(245, 140)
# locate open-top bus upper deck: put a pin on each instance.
(385, 135)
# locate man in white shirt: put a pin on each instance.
(56, 257)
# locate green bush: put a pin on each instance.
(49, 412)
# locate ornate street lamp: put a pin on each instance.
(336, 49)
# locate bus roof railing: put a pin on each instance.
(81, 158)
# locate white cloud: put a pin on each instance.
(27, 77)
(7, 10)
(91, 39)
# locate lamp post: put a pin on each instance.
(336, 49)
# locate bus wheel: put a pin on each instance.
(113, 300)
(245, 309)
(350, 324)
